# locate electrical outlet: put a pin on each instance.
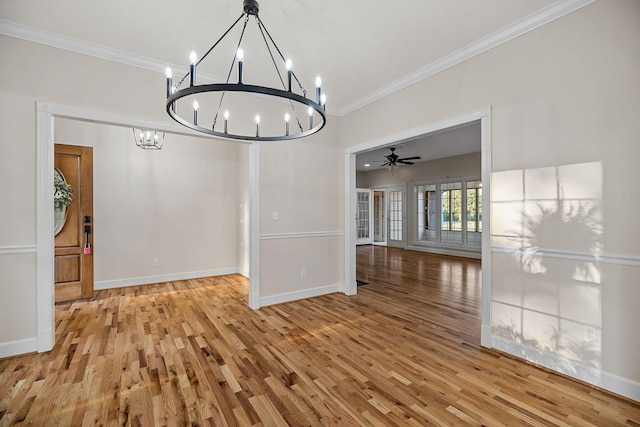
(303, 273)
(589, 334)
(154, 262)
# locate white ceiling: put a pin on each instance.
(362, 49)
(450, 142)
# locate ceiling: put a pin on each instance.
(463, 139)
(362, 49)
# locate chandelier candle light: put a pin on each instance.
(293, 102)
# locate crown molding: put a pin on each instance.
(79, 46)
(545, 15)
(83, 47)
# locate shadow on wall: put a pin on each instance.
(549, 222)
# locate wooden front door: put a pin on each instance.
(73, 257)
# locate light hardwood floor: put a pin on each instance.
(404, 351)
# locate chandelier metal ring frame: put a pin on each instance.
(174, 94)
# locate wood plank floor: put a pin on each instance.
(404, 351)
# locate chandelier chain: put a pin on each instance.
(304, 92)
(264, 30)
(233, 62)
(211, 48)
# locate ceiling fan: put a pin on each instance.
(393, 160)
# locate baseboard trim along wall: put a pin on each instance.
(297, 295)
(301, 235)
(147, 280)
(589, 374)
(12, 348)
(466, 253)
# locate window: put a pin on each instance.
(474, 213)
(395, 215)
(449, 212)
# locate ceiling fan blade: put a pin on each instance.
(412, 158)
(384, 165)
(405, 162)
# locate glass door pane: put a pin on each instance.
(379, 226)
(396, 217)
(451, 212)
(363, 216)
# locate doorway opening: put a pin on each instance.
(45, 117)
(483, 116)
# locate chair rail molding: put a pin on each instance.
(18, 249)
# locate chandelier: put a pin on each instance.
(148, 139)
(204, 107)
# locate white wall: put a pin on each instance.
(565, 98)
(177, 205)
(301, 181)
(244, 206)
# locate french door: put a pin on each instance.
(396, 217)
(363, 216)
(379, 217)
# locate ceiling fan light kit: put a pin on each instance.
(294, 102)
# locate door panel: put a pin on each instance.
(379, 215)
(363, 216)
(396, 217)
(74, 267)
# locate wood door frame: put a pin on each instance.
(484, 116)
(46, 113)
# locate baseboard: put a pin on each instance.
(466, 253)
(135, 281)
(620, 385)
(588, 374)
(45, 340)
(297, 295)
(14, 348)
(243, 271)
